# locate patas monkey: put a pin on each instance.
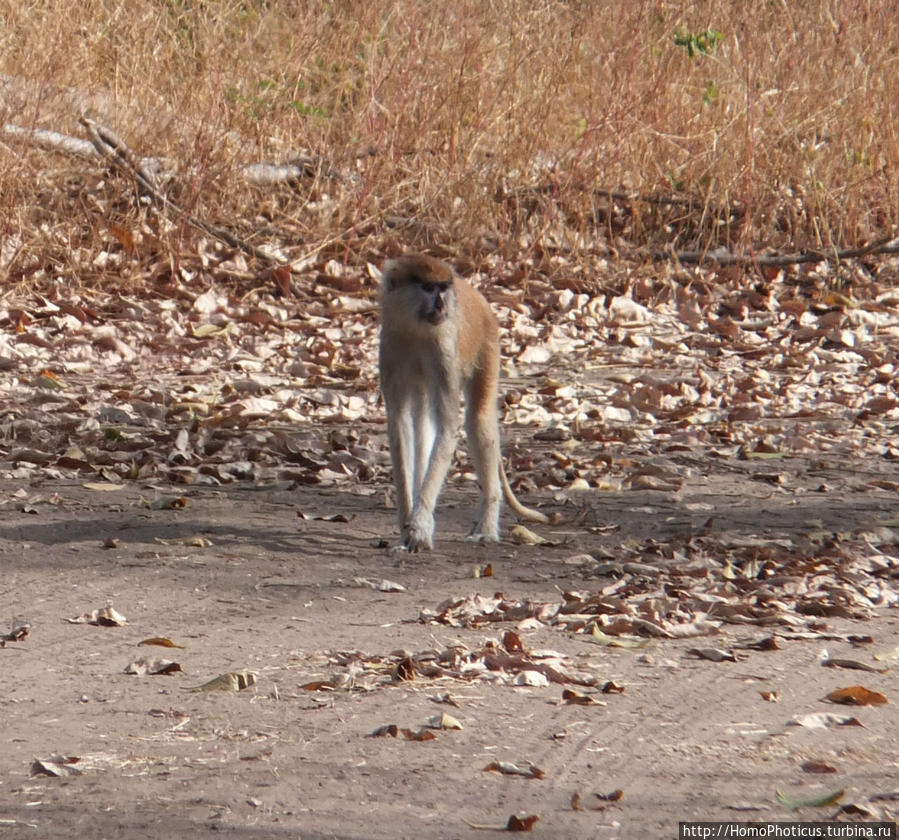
(439, 338)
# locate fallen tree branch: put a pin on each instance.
(723, 257)
(610, 195)
(51, 140)
(259, 174)
(113, 149)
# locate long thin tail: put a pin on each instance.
(524, 512)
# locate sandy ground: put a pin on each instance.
(280, 595)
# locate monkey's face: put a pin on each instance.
(417, 295)
(436, 301)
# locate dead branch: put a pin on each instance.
(723, 257)
(111, 148)
(51, 140)
(259, 174)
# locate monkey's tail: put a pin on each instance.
(524, 512)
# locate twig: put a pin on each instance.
(611, 195)
(111, 148)
(722, 257)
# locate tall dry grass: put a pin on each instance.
(493, 123)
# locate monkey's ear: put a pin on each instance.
(390, 276)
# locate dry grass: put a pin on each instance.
(490, 123)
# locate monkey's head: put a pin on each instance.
(420, 287)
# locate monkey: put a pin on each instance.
(440, 340)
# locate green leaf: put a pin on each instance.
(596, 635)
(698, 43)
(812, 802)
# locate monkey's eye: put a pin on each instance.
(429, 287)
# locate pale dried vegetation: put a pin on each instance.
(560, 153)
(485, 127)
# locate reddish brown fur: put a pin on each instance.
(440, 339)
(478, 344)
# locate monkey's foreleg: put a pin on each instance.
(401, 437)
(419, 530)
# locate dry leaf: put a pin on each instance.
(532, 678)
(48, 380)
(230, 681)
(152, 667)
(764, 643)
(161, 641)
(525, 823)
(575, 698)
(56, 765)
(852, 664)
(192, 542)
(103, 617)
(281, 277)
(512, 642)
(405, 670)
(525, 536)
(165, 503)
(418, 734)
(319, 685)
(713, 654)
(19, 632)
(857, 695)
(390, 729)
(614, 796)
(102, 485)
(821, 720)
(382, 585)
(817, 767)
(507, 768)
(444, 698)
(443, 721)
(211, 330)
(125, 237)
(514, 823)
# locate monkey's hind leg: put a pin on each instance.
(482, 433)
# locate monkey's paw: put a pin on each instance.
(416, 540)
(419, 532)
(483, 533)
(482, 539)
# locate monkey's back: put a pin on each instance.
(478, 341)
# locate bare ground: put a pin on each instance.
(689, 739)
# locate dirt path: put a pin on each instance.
(281, 596)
